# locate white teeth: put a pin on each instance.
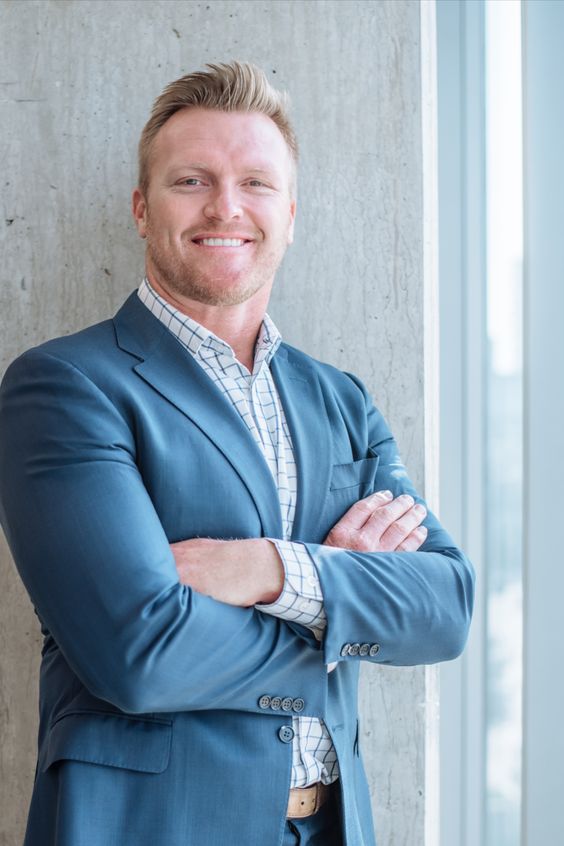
(222, 242)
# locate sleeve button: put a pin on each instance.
(374, 650)
(287, 703)
(275, 703)
(364, 649)
(298, 705)
(354, 648)
(264, 702)
(345, 649)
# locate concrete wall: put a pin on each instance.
(76, 83)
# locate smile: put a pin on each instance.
(220, 242)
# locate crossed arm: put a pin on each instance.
(248, 572)
(145, 641)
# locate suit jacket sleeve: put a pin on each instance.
(93, 555)
(415, 606)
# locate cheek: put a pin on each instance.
(279, 223)
(176, 214)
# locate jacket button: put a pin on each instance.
(298, 705)
(354, 648)
(264, 702)
(287, 703)
(345, 649)
(364, 649)
(286, 734)
(374, 650)
(275, 703)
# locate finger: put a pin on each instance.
(352, 533)
(383, 517)
(361, 511)
(399, 530)
(413, 541)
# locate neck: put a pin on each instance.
(238, 325)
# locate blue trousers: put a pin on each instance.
(322, 829)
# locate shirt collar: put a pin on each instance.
(194, 336)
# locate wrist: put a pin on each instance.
(272, 575)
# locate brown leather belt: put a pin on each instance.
(306, 801)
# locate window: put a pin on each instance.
(481, 283)
(504, 429)
(501, 257)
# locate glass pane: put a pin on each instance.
(504, 481)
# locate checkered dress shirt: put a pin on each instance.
(255, 397)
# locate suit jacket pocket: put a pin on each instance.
(109, 740)
(355, 474)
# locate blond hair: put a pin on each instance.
(237, 86)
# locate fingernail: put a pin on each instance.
(419, 509)
(386, 495)
(407, 499)
(421, 530)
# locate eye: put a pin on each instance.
(259, 185)
(190, 182)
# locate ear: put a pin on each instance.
(292, 222)
(139, 210)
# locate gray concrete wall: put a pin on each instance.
(76, 83)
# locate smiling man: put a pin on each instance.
(214, 528)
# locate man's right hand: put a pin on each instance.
(380, 523)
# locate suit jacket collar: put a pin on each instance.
(173, 372)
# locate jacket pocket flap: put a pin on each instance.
(110, 740)
(355, 473)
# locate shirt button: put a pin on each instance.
(312, 581)
(364, 649)
(345, 649)
(287, 703)
(275, 703)
(264, 702)
(298, 705)
(354, 648)
(286, 734)
(304, 605)
(374, 650)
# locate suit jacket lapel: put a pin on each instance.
(172, 371)
(304, 407)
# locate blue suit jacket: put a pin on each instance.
(114, 443)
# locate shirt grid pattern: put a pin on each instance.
(255, 397)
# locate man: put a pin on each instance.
(213, 527)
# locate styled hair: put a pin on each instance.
(232, 87)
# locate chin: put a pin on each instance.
(181, 280)
(224, 292)
(224, 297)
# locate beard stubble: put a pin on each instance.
(178, 275)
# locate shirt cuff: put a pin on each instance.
(301, 600)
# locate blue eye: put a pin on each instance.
(192, 180)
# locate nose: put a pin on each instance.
(223, 204)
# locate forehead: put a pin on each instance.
(242, 139)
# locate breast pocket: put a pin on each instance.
(355, 474)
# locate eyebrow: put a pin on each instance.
(207, 168)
